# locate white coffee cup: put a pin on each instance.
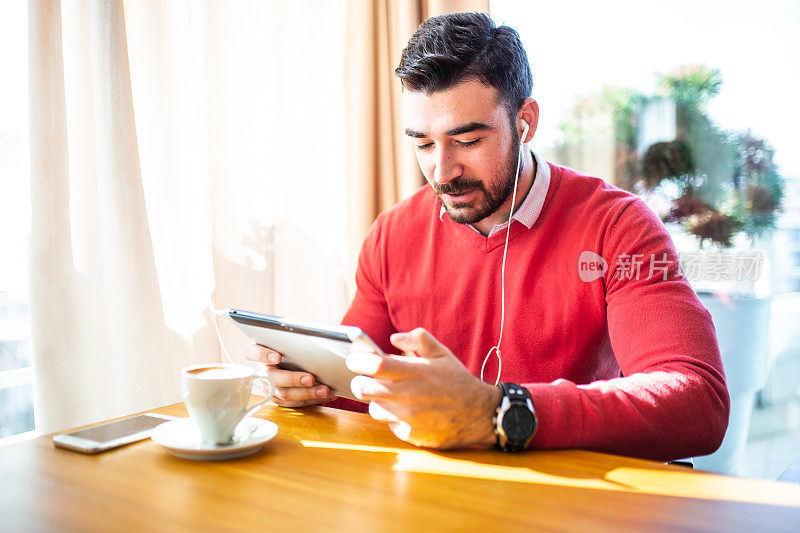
(216, 396)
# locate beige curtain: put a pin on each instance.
(188, 155)
(183, 155)
(381, 165)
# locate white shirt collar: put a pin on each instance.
(531, 207)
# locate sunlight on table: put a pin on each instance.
(623, 479)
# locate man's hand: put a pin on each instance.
(429, 400)
(292, 389)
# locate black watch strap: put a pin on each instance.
(512, 390)
(514, 432)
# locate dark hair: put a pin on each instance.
(451, 48)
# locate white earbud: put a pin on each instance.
(524, 132)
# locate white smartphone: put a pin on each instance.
(111, 434)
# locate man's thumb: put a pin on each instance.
(420, 342)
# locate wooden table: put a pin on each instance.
(332, 471)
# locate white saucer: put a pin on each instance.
(181, 438)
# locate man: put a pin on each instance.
(594, 320)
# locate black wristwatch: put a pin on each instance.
(515, 420)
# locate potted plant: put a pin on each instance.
(726, 182)
(718, 192)
(723, 193)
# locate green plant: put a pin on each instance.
(727, 181)
(719, 183)
(591, 115)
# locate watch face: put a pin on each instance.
(518, 423)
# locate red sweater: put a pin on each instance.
(568, 341)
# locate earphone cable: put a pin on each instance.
(215, 313)
(496, 348)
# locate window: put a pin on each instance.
(16, 394)
(586, 54)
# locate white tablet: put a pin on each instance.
(319, 349)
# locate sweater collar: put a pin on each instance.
(531, 207)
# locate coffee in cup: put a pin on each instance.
(216, 396)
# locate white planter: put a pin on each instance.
(742, 324)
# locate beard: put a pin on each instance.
(489, 200)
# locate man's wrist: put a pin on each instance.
(493, 397)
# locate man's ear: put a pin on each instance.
(529, 112)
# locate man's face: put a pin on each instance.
(466, 147)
